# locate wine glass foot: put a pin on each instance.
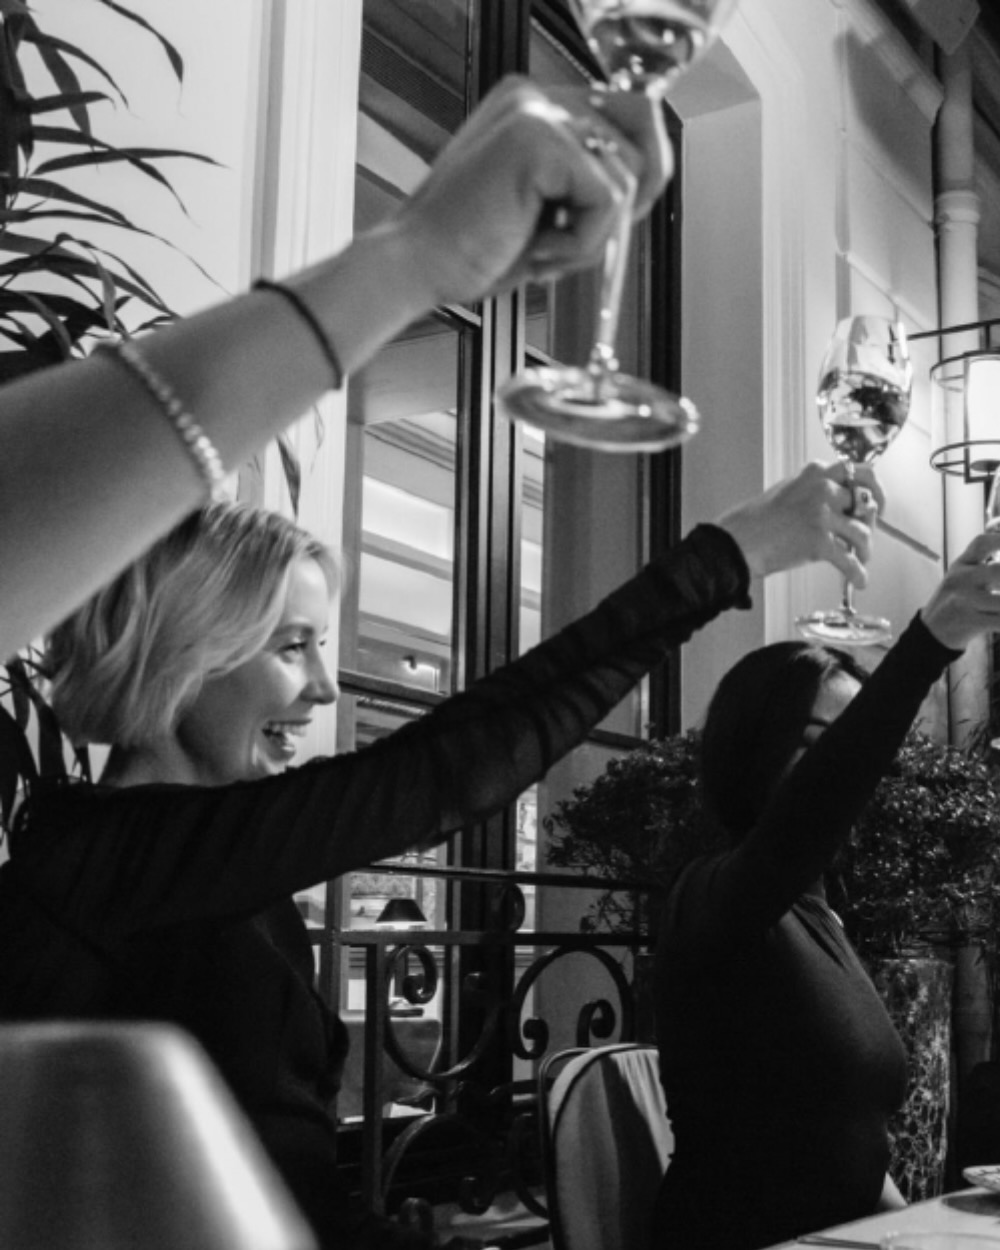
(621, 413)
(838, 628)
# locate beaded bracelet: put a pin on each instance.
(310, 319)
(196, 442)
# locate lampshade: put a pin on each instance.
(114, 1136)
(401, 913)
(965, 415)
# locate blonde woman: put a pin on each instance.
(165, 891)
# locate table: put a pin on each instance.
(967, 1211)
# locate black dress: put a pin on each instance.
(173, 902)
(779, 1062)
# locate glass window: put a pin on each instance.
(398, 606)
(465, 541)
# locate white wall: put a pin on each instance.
(808, 196)
(269, 93)
(210, 114)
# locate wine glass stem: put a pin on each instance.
(847, 598)
(603, 362)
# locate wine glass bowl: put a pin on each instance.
(991, 520)
(863, 400)
(645, 46)
(642, 45)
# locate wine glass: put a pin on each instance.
(991, 523)
(863, 400)
(643, 45)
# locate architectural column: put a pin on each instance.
(304, 170)
(957, 221)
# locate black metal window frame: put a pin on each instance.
(487, 538)
(481, 956)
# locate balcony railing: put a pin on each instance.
(459, 1020)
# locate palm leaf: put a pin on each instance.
(19, 701)
(62, 340)
(16, 764)
(172, 54)
(65, 100)
(54, 52)
(292, 470)
(15, 124)
(60, 260)
(105, 154)
(51, 760)
(47, 190)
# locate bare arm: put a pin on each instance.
(91, 473)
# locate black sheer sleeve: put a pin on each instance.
(121, 860)
(749, 888)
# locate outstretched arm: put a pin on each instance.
(91, 473)
(818, 802)
(189, 850)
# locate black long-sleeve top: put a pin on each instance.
(779, 1062)
(172, 901)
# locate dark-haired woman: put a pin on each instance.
(779, 1062)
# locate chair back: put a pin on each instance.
(606, 1143)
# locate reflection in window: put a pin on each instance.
(398, 606)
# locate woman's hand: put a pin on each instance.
(524, 190)
(967, 601)
(816, 515)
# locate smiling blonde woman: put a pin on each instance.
(129, 667)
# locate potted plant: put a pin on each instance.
(57, 287)
(920, 870)
(59, 290)
(918, 888)
(641, 820)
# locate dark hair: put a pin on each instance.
(755, 724)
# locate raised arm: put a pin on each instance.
(817, 804)
(190, 850)
(91, 472)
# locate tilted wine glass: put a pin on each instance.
(643, 45)
(863, 399)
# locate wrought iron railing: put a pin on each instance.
(470, 1133)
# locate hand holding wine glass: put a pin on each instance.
(643, 45)
(863, 400)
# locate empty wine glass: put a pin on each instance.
(643, 45)
(863, 400)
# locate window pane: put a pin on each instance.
(398, 601)
(415, 62)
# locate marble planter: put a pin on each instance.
(917, 994)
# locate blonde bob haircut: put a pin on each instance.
(127, 665)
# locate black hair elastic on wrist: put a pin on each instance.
(310, 319)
